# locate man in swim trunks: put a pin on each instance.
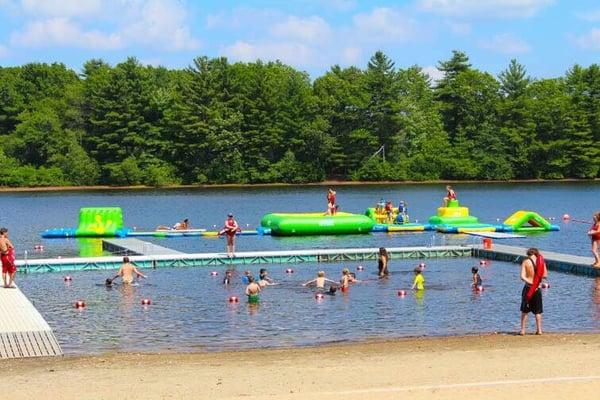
(252, 290)
(7, 255)
(594, 234)
(533, 270)
(230, 229)
(127, 271)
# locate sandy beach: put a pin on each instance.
(554, 366)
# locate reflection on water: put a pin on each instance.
(190, 308)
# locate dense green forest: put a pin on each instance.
(218, 122)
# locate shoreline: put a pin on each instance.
(492, 366)
(26, 189)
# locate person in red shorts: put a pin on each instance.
(230, 229)
(450, 195)
(7, 255)
(594, 233)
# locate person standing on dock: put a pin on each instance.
(594, 233)
(7, 255)
(450, 195)
(533, 270)
(230, 229)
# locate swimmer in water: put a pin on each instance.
(419, 282)
(127, 272)
(347, 279)
(319, 281)
(477, 281)
(252, 290)
(246, 277)
(264, 279)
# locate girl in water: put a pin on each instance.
(382, 262)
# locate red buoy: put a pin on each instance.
(234, 299)
(38, 247)
(545, 285)
(289, 271)
(566, 217)
(68, 278)
(146, 302)
(214, 273)
(360, 268)
(482, 262)
(319, 296)
(401, 293)
(79, 304)
(422, 265)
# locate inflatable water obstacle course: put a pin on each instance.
(98, 222)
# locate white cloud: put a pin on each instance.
(351, 55)
(343, 5)
(3, 51)
(591, 16)
(61, 8)
(243, 18)
(152, 23)
(459, 28)
(303, 29)
(435, 74)
(63, 32)
(505, 43)
(485, 8)
(589, 41)
(384, 25)
(288, 52)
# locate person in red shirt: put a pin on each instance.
(7, 254)
(230, 229)
(594, 233)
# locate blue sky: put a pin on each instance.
(548, 36)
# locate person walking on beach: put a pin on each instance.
(533, 270)
(127, 272)
(382, 262)
(594, 233)
(7, 255)
(230, 229)
(450, 195)
(252, 290)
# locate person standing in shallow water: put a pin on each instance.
(533, 270)
(382, 262)
(594, 234)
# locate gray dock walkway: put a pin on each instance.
(23, 330)
(135, 247)
(176, 259)
(554, 261)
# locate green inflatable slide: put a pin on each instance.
(100, 222)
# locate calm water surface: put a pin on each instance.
(190, 307)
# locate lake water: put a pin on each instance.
(28, 214)
(190, 308)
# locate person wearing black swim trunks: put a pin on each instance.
(533, 270)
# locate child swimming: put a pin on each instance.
(476, 277)
(347, 278)
(319, 281)
(264, 279)
(419, 282)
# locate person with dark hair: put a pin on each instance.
(594, 233)
(126, 272)
(477, 281)
(382, 262)
(533, 270)
(7, 256)
(252, 290)
(419, 282)
(230, 229)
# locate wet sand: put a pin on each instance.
(554, 366)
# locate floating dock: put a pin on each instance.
(241, 258)
(554, 261)
(135, 247)
(23, 330)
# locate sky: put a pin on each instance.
(547, 36)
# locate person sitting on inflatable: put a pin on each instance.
(331, 196)
(389, 212)
(179, 226)
(450, 195)
(380, 207)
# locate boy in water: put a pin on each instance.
(7, 255)
(126, 273)
(319, 281)
(419, 282)
(264, 279)
(476, 278)
(252, 290)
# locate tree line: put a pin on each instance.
(261, 122)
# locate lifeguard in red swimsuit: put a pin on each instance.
(450, 195)
(230, 229)
(7, 256)
(594, 233)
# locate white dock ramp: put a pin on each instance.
(23, 330)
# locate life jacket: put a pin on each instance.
(538, 274)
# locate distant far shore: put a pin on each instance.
(6, 189)
(492, 367)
